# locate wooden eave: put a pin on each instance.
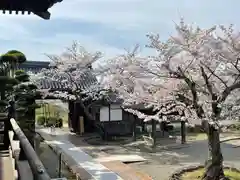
(37, 7)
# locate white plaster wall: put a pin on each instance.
(104, 114)
(115, 115)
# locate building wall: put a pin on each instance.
(34, 66)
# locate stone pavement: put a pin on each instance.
(159, 165)
(90, 168)
(83, 164)
(165, 162)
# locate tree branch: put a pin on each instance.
(212, 72)
(228, 91)
(214, 103)
(192, 85)
(187, 101)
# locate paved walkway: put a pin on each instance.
(165, 162)
(94, 169)
(159, 165)
(77, 152)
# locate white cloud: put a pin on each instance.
(140, 16)
(14, 29)
(145, 14)
(62, 41)
(122, 14)
(35, 47)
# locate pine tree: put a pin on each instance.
(8, 64)
(17, 93)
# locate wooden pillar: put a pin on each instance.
(70, 115)
(143, 125)
(81, 124)
(109, 112)
(162, 127)
(76, 113)
(73, 116)
(154, 123)
(183, 132)
(134, 128)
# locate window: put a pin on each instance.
(111, 113)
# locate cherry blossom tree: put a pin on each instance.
(73, 71)
(206, 64)
(144, 95)
(198, 68)
(128, 76)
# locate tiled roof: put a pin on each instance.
(49, 84)
(36, 63)
(34, 66)
(85, 81)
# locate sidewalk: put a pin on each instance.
(83, 164)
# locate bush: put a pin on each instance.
(59, 122)
(50, 121)
(54, 121)
(41, 120)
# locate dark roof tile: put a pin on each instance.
(85, 81)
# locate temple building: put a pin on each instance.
(110, 118)
(34, 66)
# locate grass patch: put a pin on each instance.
(196, 136)
(197, 174)
(203, 136)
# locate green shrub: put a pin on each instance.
(58, 122)
(41, 120)
(51, 121)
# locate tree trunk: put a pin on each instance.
(214, 166)
(183, 132)
(70, 115)
(85, 109)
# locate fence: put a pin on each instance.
(22, 151)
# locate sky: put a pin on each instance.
(109, 26)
